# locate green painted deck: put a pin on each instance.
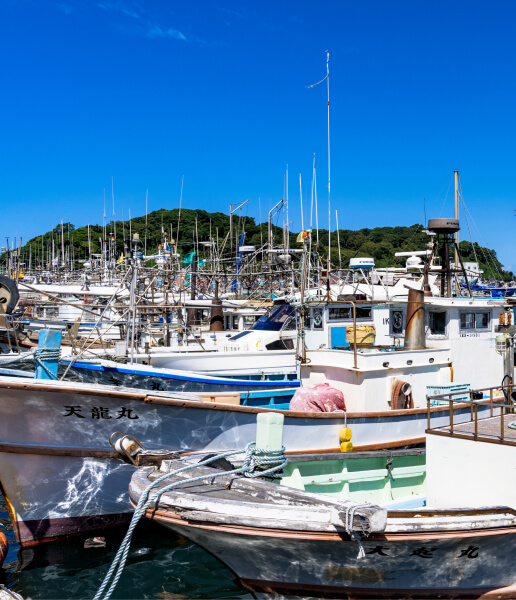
(378, 477)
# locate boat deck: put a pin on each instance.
(492, 429)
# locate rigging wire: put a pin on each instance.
(489, 261)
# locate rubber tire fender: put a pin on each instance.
(9, 294)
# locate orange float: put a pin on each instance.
(3, 548)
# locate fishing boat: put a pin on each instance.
(449, 530)
(60, 475)
(151, 378)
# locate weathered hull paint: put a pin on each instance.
(453, 565)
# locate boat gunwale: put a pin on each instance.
(164, 399)
(164, 516)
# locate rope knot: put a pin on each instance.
(259, 462)
(48, 355)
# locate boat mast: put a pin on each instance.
(114, 213)
(146, 201)
(287, 245)
(62, 244)
(329, 207)
(179, 213)
(456, 177)
(327, 79)
(301, 199)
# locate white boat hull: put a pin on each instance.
(60, 475)
(221, 362)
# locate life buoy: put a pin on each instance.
(404, 389)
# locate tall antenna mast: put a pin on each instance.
(146, 199)
(179, 213)
(327, 79)
(62, 245)
(286, 199)
(104, 222)
(114, 213)
(301, 198)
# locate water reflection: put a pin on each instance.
(160, 565)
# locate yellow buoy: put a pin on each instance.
(346, 447)
(344, 434)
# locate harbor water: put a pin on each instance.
(160, 565)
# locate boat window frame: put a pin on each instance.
(286, 343)
(437, 336)
(476, 313)
(276, 319)
(392, 333)
(247, 321)
(290, 324)
(360, 317)
(317, 326)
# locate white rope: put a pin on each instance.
(18, 358)
(349, 515)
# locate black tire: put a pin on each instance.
(9, 294)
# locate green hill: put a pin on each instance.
(380, 243)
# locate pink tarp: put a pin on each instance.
(320, 397)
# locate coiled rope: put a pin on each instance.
(255, 457)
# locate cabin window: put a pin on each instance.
(231, 322)
(340, 313)
(474, 320)
(437, 322)
(308, 319)
(397, 322)
(276, 320)
(290, 325)
(318, 318)
(287, 344)
(249, 321)
(337, 313)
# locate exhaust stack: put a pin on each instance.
(217, 313)
(415, 327)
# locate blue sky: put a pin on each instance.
(216, 91)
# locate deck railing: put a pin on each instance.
(500, 399)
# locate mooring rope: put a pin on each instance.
(255, 457)
(348, 525)
(19, 358)
(41, 356)
(48, 356)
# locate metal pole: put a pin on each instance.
(456, 177)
